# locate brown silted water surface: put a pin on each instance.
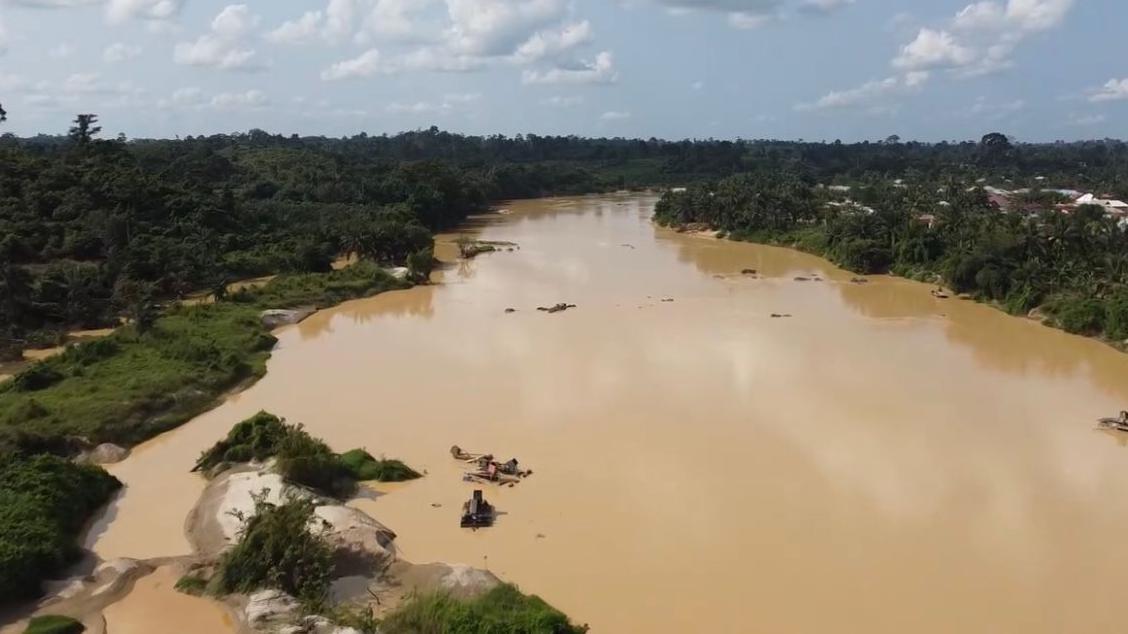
(879, 461)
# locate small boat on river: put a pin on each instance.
(477, 512)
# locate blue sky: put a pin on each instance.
(812, 69)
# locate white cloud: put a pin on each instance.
(601, 70)
(933, 49)
(614, 115)
(249, 99)
(304, 29)
(223, 47)
(497, 27)
(120, 52)
(983, 36)
(366, 64)
(1113, 90)
(871, 95)
(823, 7)
(121, 10)
(558, 101)
(549, 43)
(340, 15)
(747, 20)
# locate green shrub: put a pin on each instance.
(44, 503)
(363, 467)
(502, 610)
(192, 584)
(308, 461)
(863, 256)
(277, 550)
(1116, 317)
(302, 459)
(256, 438)
(52, 624)
(1081, 316)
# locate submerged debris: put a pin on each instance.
(561, 307)
(1119, 424)
(859, 280)
(510, 310)
(939, 293)
(748, 272)
(800, 278)
(780, 315)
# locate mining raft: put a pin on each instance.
(482, 467)
(477, 512)
(1119, 424)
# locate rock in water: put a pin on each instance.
(105, 453)
(269, 605)
(276, 317)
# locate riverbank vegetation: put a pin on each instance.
(53, 624)
(45, 501)
(301, 459)
(502, 609)
(1072, 264)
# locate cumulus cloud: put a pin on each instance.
(223, 46)
(982, 37)
(601, 70)
(933, 49)
(871, 95)
(553, 42)
(120, 52)
(366, 64)
(451, 36)
(497, 27)
(1113, 90)
(121, 10)
(307, 28)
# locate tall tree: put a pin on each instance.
(85, 128)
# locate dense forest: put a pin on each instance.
(1071, 262)
(87, 225)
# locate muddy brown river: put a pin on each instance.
(880, 461)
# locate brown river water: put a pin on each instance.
(882, 461)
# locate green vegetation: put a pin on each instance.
(503, 610)
(52, 624)
(364, 467)
(1075, 265)
(44, 503)
(362, 279)
(277, 550)
(193, 584)
(254, 439)
(302, 459)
